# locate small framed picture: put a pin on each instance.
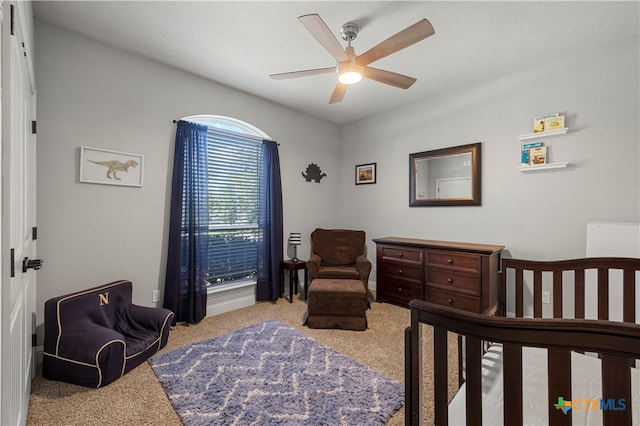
(110, 167)
(365, 173)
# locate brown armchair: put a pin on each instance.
(339, 254)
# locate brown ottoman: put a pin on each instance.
(337, 303)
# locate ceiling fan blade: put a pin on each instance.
(388, 77)
(303, 73)
(338, 93)
(319, 30)
(405, 38)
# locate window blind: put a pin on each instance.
(233, 178)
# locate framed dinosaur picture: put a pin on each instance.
(110, 167)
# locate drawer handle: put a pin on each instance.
(400, 254)
(450, 280)
(399, 289)
(400, 271)
(450, 261)
(450, 301)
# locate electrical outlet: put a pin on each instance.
(546, 297)
(155, 296)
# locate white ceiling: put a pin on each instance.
(239, 43)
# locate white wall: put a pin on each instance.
(91, 94)
(539, 215)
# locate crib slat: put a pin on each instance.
(616, 385)
(512, 368)
(579, 293)
(408, 377)
(519, 292)
(461, 362)
(414, 406)
(557, 294)
(502, 294)
(603, 294)
(629, 294)
(473, 357)
(559, 377)
(537, 294)
(440, 373)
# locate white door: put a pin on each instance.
(18, 216)
(458, 187)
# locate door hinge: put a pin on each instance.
(34, 335)
(33, 127)
(34, 233)
(13, 263)
(12, 20)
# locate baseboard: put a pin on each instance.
(228, 299)
(221, 300)
(38, 354)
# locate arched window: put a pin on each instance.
(233, 156)
(231, 124)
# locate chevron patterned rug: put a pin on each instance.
(271, 374)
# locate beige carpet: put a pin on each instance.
(137, 398)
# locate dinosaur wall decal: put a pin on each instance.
(313, 173)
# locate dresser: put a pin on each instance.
(461, 275)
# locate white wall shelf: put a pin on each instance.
(543, 134)
(543, 167)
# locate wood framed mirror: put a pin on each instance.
(446, 177)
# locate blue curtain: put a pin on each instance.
(185, 291)
(270, 234)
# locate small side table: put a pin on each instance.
(293, 268)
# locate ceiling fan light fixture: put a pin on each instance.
(349, 73)
(350, 77)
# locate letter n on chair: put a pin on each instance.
(93, 337)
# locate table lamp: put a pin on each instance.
(295, 239)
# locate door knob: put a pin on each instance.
(31, 264)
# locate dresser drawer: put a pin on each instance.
(466, 261)
(399, 253)
(454, 300)
(398, 270)
(451, 280)
(399, 291)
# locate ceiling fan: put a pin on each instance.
(351, 68)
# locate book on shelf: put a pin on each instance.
(539, 122)
(538, 155)
(548, 122)
(554, 123)
(524, 153)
